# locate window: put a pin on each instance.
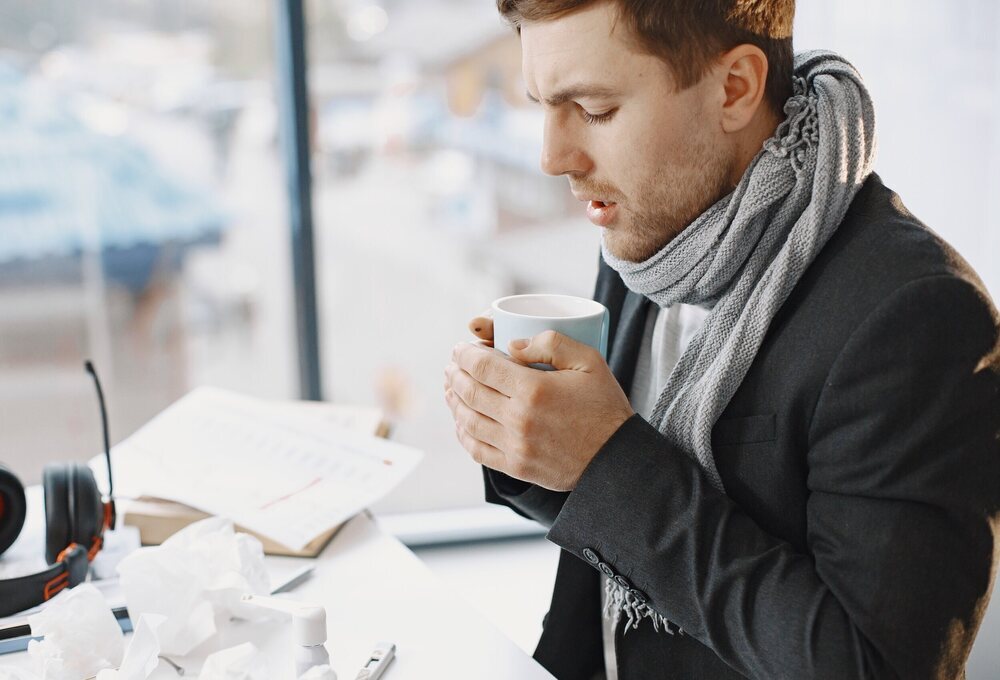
(429, 204)
(143, 216)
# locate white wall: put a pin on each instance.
(933, 69)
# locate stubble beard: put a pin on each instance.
(669, 203)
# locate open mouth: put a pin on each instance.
(601, 213)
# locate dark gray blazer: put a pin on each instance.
(861, 460)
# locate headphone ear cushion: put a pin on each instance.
(58, 521)
(88, 513)
(13, 508)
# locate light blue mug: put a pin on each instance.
(525, 316)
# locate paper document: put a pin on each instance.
(280, 472)
(355, 418)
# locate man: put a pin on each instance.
(804, 479)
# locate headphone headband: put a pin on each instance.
(18, 594)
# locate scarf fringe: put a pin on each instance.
(798, 134)
(617, 600)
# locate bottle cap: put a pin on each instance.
(309, 626)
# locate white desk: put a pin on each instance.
(373, 589)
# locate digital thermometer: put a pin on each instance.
(377, 662)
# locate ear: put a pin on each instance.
(744, 76)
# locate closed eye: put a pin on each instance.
(597, 118)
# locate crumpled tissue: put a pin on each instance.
(195, 579)
(242, 662)
(82, 636)
(142, 654)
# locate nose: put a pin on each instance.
(562, 148)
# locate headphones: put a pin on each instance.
(76, 517)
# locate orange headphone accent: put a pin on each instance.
(98, 543)
(59, 582)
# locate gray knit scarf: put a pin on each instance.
(744, 255)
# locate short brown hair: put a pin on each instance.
(690, 34)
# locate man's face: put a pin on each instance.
(646, 158)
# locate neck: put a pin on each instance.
(761, 129)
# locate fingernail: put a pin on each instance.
(519, 344)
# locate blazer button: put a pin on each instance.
(623, 582)
(606, 568)
(591, 556)
(639, 596)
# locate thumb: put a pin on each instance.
(560, 351)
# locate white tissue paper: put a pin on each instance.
(17, 674)
(82, 636)
(243, 662)
(323, 672)
(195, 579)
(142, 654)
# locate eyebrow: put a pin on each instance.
(575, 92)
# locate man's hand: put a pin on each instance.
(539, 426)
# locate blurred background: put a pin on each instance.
(144, 208)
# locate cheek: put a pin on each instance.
(646, 150)
(673, 127)
(622, 160)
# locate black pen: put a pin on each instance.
(15, 638)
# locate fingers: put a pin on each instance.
(482, 453)
(556, 349)
(482, 327)
(475, 395)
(487, 366)
(477, 425)
(498, 354)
